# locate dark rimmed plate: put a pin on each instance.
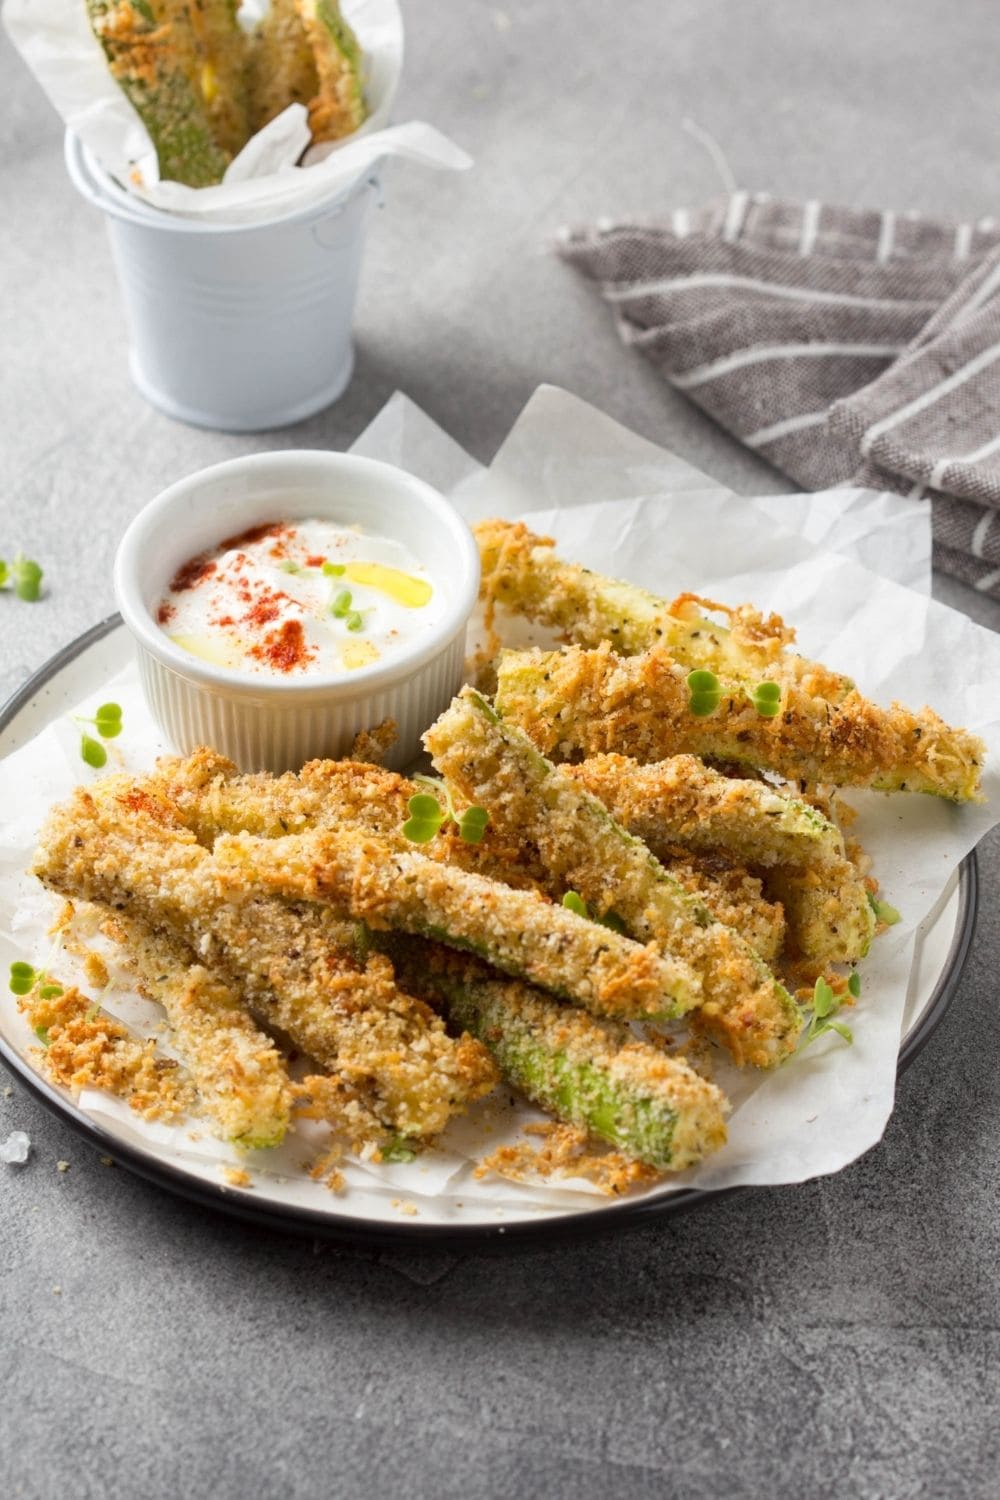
(82, 667)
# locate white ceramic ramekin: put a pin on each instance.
(267, 724)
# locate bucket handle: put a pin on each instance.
(319, 229)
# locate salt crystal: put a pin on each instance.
(15, 1148)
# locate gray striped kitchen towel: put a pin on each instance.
(845, 346)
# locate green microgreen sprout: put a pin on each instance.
(355, 620)
(24, 978)
(108, 723)
(334, 570)
(574, 902)
(766, 699)
(427, 815)
(883, 911)
(288, 566)
(341, 604)
(825, 1005)
(854, 984)
(705, 692)
(23, 576)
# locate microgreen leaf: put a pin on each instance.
(823, 999)
(42, 1033)
(354, 620)
(854, 984)
(472, 824)
(612, 920)
(288, 566)
(884, 912)
(26, 577)
(766, 699)
(334, 570)
(574, 902)
(4, 573)
(825, 1006)
(341, 604)
(93, 752)
(22, 978)
(705, 692)
(426, 817)
(108, 720)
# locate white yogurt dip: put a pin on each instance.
(300, 598)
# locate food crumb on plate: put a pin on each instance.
(237, 1177)
(410, 1209)
(62, 1166)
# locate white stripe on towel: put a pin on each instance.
(927, 398)
(614, 292)
(765, 435)
(685, 379)
(810, 224)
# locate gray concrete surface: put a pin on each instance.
(838, 1339)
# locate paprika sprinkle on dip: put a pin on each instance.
(289, 599)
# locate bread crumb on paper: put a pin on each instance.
(237, 1177)
(410, 1209)
(563, 1153)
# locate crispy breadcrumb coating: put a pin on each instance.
(587, 1072)
(122, 844)
(520, 932)
(85, 1048)
(239, 1073)
(577, 703)
(521, 572)
(799, 850)
(492, 763)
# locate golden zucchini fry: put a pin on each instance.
(519, 932)
(800, 852)
(584, 850)
(578, 703)
(592, 1073)
(522, 572)
(121, 845)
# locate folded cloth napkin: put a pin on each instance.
(846, 347)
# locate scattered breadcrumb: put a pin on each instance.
(326, 1168)
(62, 1166)
(87, 1048)
(410, 1209)
(564, 1153)
(57, 1291)
(106, 1161)
(373, 745)
(237, 1177)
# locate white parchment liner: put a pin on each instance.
(619, 504)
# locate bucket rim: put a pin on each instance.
(95, 184)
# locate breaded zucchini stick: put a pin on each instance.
(733, 896)
(576, 703)
(212, 48)
(338, 106)
(281, 66)
(522, 572)
(519, 932)
(681, 801)
(211, 797)
(240, 1075)
(121, 845)
(583, 849)
(148, 61)
(591, 1073)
